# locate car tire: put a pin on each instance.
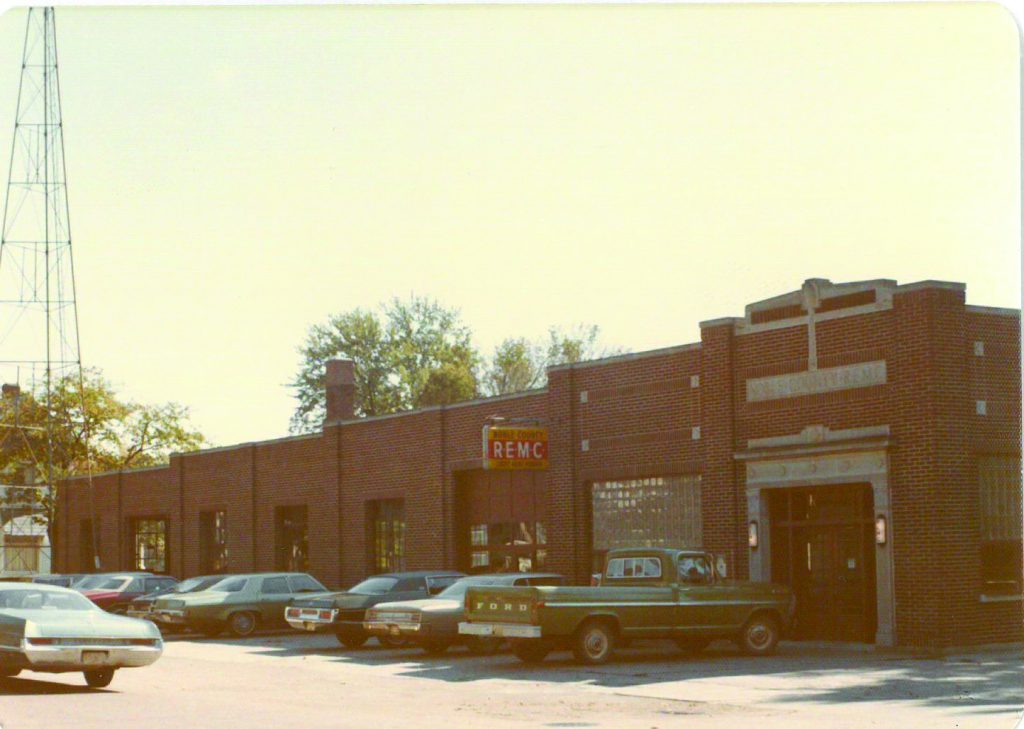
(692, 646)
(594, 642)
(530, 650)
(483, 646)
(393, 641)
(351, 638)
(9, 672)
(99, 677)
(242, 624)
(436, 647)
(760, 635)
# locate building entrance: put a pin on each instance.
(822, 546)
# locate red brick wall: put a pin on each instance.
(637, 419)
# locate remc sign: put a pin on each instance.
(507, 447)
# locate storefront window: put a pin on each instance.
(510, 546)
(662, 511)
(148, 542)
(387, 527)
(1000, 492)
(213, 542)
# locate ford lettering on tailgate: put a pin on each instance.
(502, 608)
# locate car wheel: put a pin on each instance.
(692, 646)
(530, 651)
(351, 639)
(9, 672)
(482, 646)
(436, 647)
(393, 641)
(760, 635)
(594, 642)
(242, 625)
(99, 678)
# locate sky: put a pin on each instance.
(237, 174)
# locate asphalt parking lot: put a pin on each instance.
(285, 680)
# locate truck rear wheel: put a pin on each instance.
(530, 651)
(760, 635)
(594, 642)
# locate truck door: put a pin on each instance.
(701, 603)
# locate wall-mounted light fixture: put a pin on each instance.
(881, 534)
(752, 534)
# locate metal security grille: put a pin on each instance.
(1000, 491)
(662, 511)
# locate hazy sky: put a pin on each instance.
(237, 174)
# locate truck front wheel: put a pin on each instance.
(760, 635)
(530, 651)
(594, 642)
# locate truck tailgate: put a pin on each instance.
(500, 604)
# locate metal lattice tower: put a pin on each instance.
(39, 344)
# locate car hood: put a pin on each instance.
(100, 594)
(427, 605)
(81, 624)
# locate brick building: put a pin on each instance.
(860, 442)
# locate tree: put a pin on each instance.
(413, 354)
(519, 364)
(121, 433)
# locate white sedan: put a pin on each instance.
(57, 630)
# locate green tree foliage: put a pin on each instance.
(519, 364)
(413, 354)
(121, 433)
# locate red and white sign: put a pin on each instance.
(508, 447)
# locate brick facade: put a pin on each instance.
(881, 371)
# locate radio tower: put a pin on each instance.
(39, 346)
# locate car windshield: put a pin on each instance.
(197, 584)
(89, 582)
(111, 583)
(43, 600)
(458, 590)
(374, 586)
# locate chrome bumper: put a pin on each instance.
(500, 630)
(393, 629)
(85, 657)
(173, 617)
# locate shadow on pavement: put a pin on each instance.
(31, 687)
(983, 683)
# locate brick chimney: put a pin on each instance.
(340, 384)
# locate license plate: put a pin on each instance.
(94, 658)
(308, 625)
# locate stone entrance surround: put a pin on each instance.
(818, 456)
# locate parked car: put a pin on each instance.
(240, 604)
(342, 612)
(141, 607)
(644, 593)
(433, 623)
(91, 580)
(57, 630)
(115, 593)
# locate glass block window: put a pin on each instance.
(999, 481)
(662, 511)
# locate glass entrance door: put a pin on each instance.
(822, 547)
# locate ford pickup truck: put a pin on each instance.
(644, 593)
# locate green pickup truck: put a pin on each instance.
(644, 593)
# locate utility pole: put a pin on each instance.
(40, 352)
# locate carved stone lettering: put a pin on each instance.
(812, 382)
